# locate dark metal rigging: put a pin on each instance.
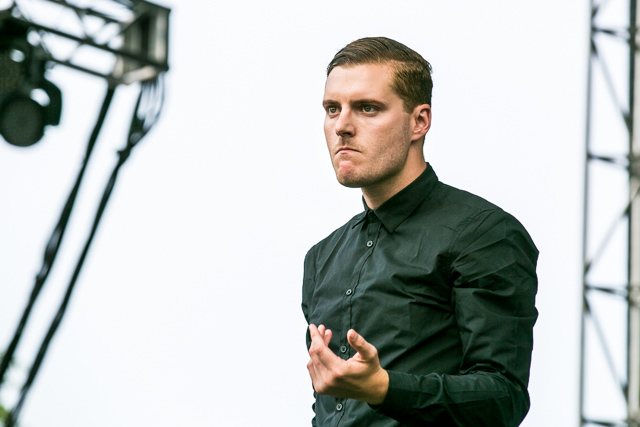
(610, 347)
(120, 41)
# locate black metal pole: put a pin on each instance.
(55, 240)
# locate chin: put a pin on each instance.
(351, 181)
(350, 184)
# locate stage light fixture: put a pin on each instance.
(28, 101)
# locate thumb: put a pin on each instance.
(367, 351)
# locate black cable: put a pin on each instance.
(51, 250)
(146, 113)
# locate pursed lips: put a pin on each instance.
(346, 150)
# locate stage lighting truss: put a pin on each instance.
(122, 41)
(610, 342)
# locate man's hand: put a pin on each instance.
(360, 377)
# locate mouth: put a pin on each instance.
(346, 150)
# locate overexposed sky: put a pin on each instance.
(188, 308)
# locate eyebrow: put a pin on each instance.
(330, 102)
(368, 101)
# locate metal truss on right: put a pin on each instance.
(610, 352)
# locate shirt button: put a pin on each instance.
(370, 243)
(339, 407)
(343, 349)
(349, 292)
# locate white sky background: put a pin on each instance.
(188, 308)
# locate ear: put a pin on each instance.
(421, 120)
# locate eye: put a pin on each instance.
(332, 109)
(368, 108)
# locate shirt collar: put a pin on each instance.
(395, 210)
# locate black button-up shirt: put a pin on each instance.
(443, 284)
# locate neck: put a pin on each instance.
(375, 196)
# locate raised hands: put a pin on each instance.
(361, 377)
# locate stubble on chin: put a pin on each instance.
(351, 178)
(348, 181)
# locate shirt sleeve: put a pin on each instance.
(494, 283)
(307, 290)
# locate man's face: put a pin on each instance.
(368, 132)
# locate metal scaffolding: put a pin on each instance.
(610, 349)
(120, 41)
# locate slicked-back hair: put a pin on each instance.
(411, 72)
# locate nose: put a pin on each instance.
(344, 123)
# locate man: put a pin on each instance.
(421, 308)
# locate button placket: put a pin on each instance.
(372, 229)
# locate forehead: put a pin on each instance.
(360, 81)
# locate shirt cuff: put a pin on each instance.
(405, 392)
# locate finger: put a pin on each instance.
(315, 374)
(367, 351)
(322, 358)
(313, 330)
(317, 339)
(327, 337)
(319, 348)
(312, 371)
(325, 333)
